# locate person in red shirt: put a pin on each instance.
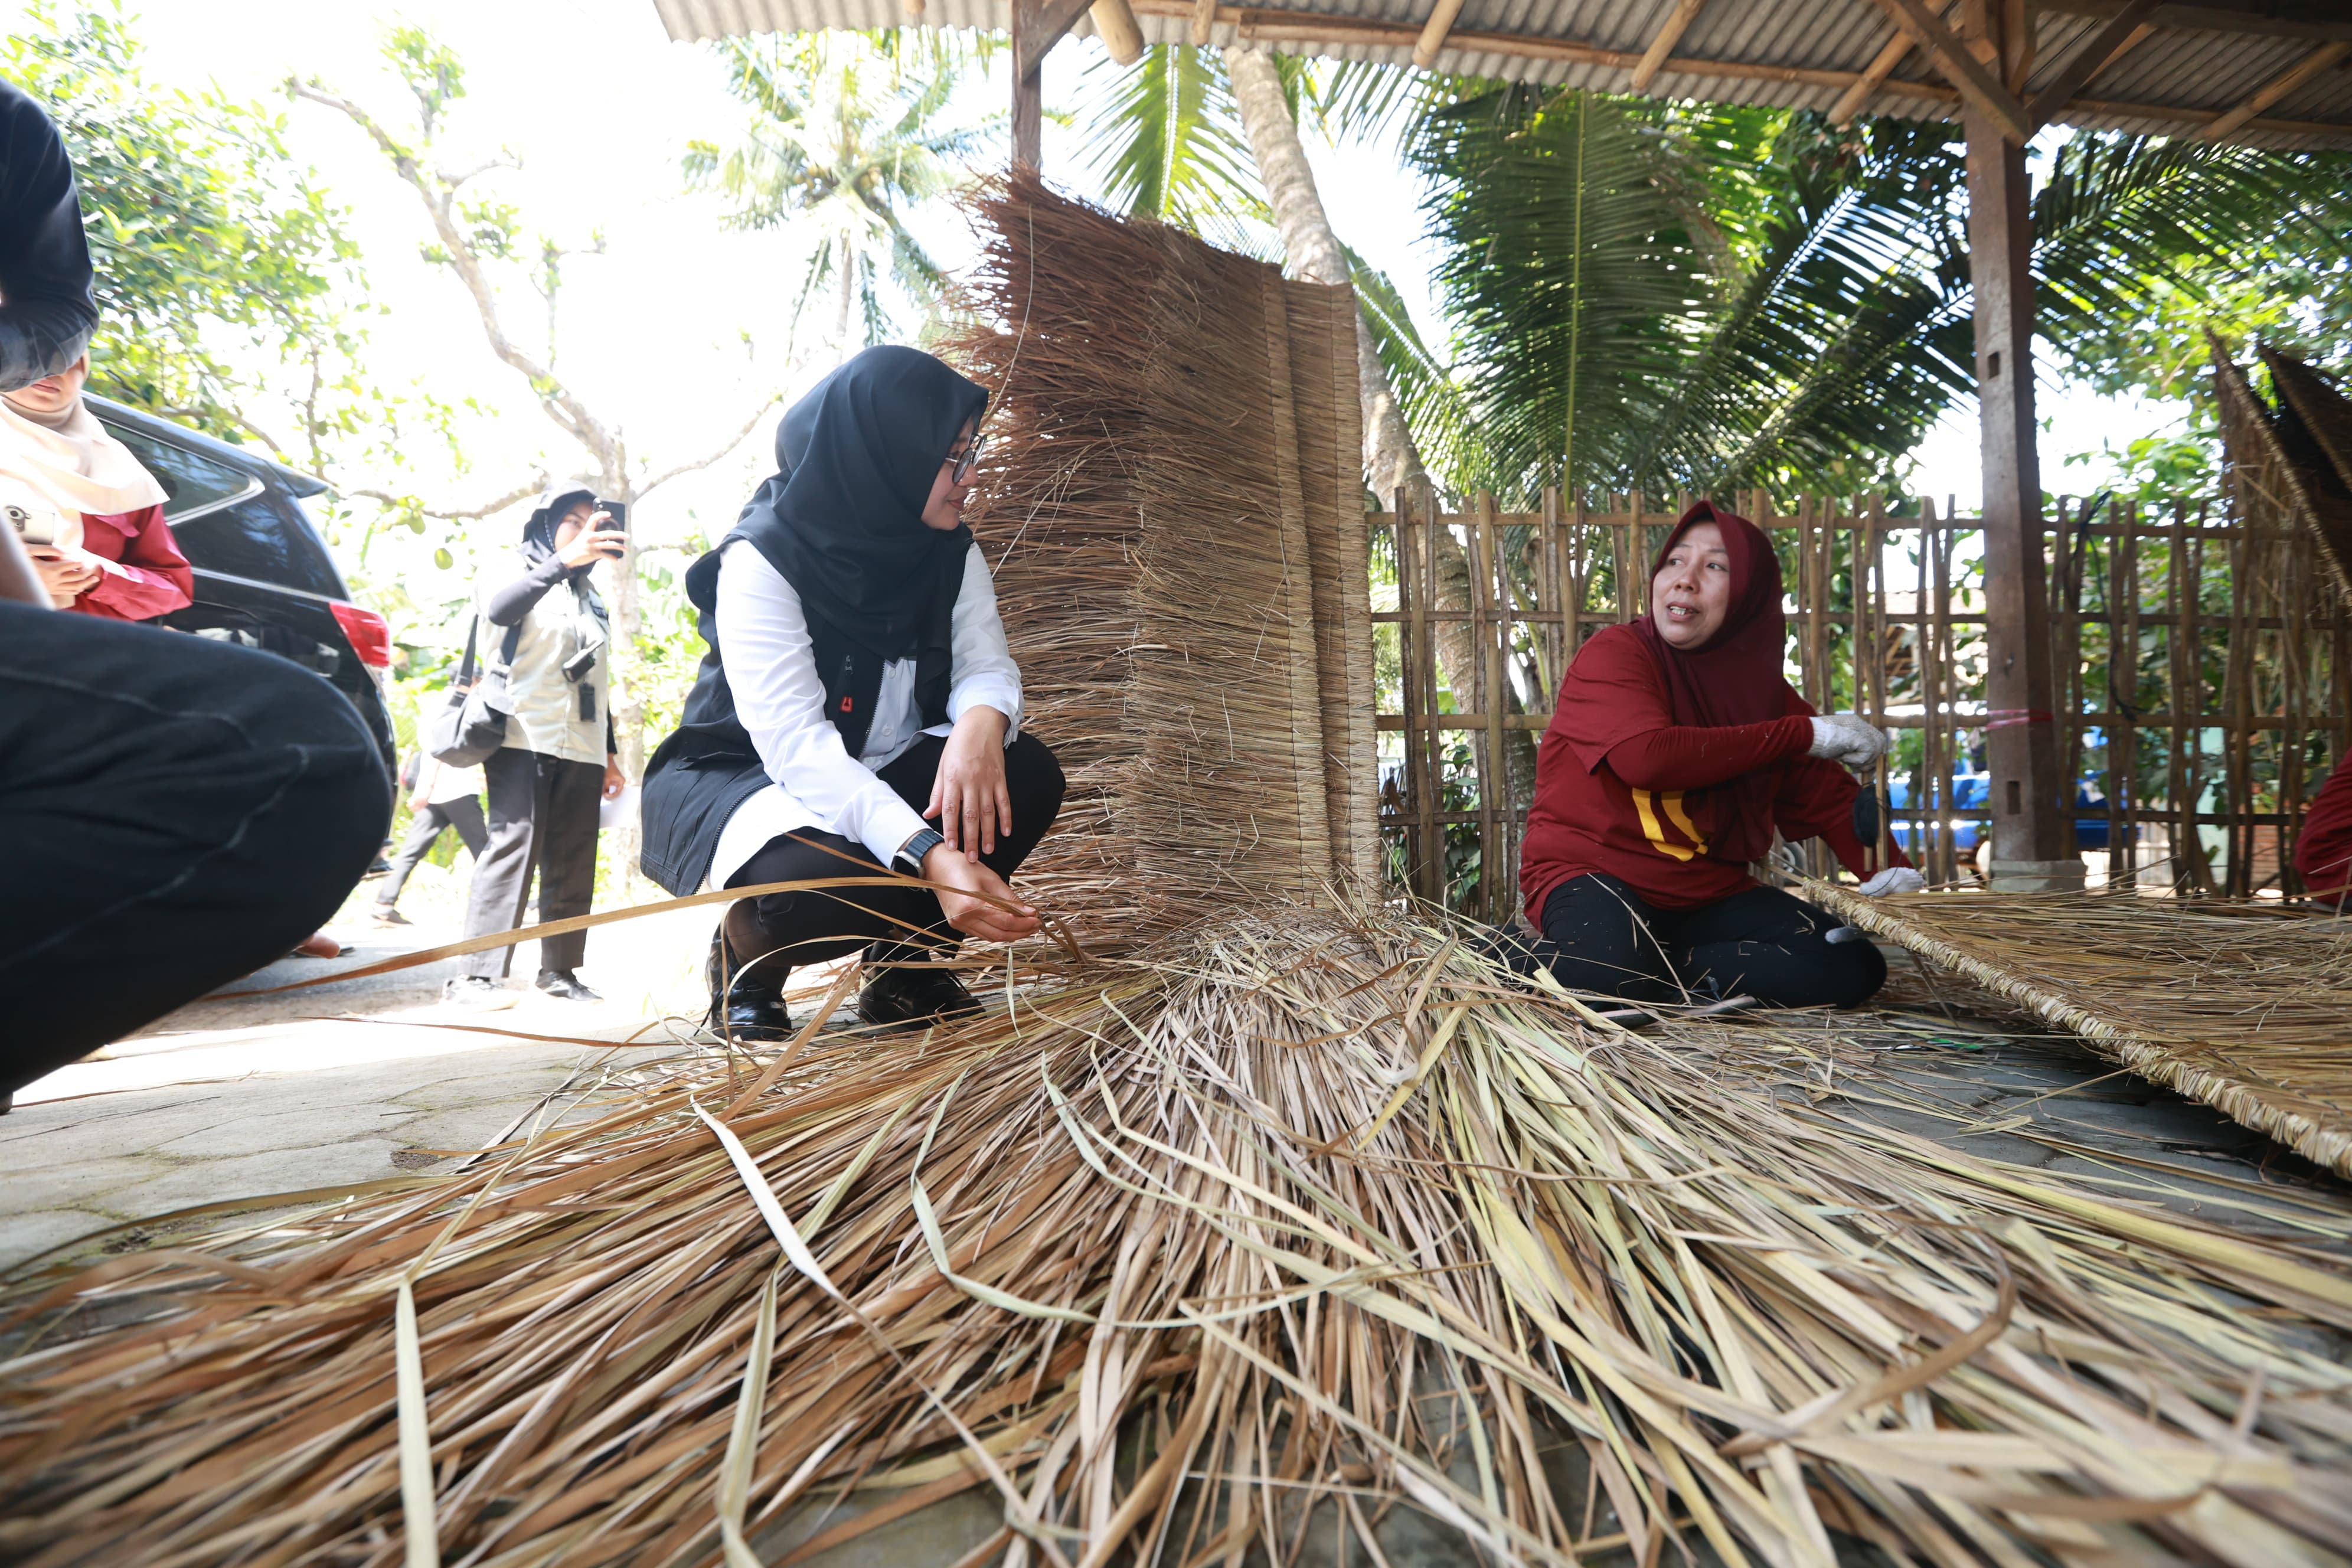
(92, 515)
(1675, 751)
(2322, 851)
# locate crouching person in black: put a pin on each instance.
(858, 709)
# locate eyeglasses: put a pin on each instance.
(963, 463)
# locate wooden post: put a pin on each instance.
(1028, 86)
(2031, 848)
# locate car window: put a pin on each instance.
(264, 538)
(189, 480)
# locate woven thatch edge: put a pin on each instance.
(2322, 1142)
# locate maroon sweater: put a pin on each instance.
(1640, 810)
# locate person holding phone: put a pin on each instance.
(859, 712)
(559, 759)
(87, 513)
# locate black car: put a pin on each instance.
(264, 578)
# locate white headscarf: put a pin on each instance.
(73, 464)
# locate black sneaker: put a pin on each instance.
(750, 1011)
(911, 998)
(564, 985)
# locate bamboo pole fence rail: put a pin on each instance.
(2202, 661)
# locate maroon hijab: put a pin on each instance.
(1734, 678)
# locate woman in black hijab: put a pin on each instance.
(861, 709)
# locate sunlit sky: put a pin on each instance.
(598, 104)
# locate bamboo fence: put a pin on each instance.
(1303, 1221)
(2202, 654)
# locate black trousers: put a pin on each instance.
(464, 814)
(897, 923)
(542, 819)
(1601, 935)
(175, 813)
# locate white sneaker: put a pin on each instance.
(476, 993)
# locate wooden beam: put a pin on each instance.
(1662, 47)
(1432, 33)
(2310, 66)
(1881, 67)
(2121, 31)
(1049, 22)
(1115, 25)
(1979, 88)
(1204, 16)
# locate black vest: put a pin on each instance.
(709, 766)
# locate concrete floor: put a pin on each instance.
(370, 1080)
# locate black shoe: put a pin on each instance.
(911, 998)
(563, 983)
(750, 1011)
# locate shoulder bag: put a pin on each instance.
(473, 724)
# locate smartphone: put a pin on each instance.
(618, 512)
(38, 528)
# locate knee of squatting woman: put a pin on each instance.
(859, 689)
(1675, 751)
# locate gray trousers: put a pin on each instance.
(543, 819)
(464, 813)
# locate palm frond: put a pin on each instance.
(1170, 145)
(1570, 278)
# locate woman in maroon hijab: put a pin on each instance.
(1675, 751)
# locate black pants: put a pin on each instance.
(1601, 935)
(175, 813)
(464, 814)
(542, 819)
(899, 923)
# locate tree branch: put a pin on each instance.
(568, 412)
(471, 514)
(732, 442)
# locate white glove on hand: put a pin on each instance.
(1894, 879)
(1847, 740)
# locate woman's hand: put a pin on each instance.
(67, 575)
(965, 889)
(968, 793)
(597, 539)
(615, 781)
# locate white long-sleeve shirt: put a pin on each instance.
(770, 667)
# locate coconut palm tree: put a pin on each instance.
(847, 130)
(1647, 296)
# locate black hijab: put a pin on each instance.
(841, 519)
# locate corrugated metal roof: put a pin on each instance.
(1792, 53)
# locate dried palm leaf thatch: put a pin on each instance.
(1172, 1258)
(1172, 475)
(2244, 1006)
(2293, 462)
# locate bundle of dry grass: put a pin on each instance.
(2244, 1006)
(1172, 1259)
(1172, 511)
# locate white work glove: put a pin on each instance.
(1847, 740)
(1894, 879)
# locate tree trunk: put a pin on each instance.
(1392, 462)
(841, 314)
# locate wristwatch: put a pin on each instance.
(909, 857)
